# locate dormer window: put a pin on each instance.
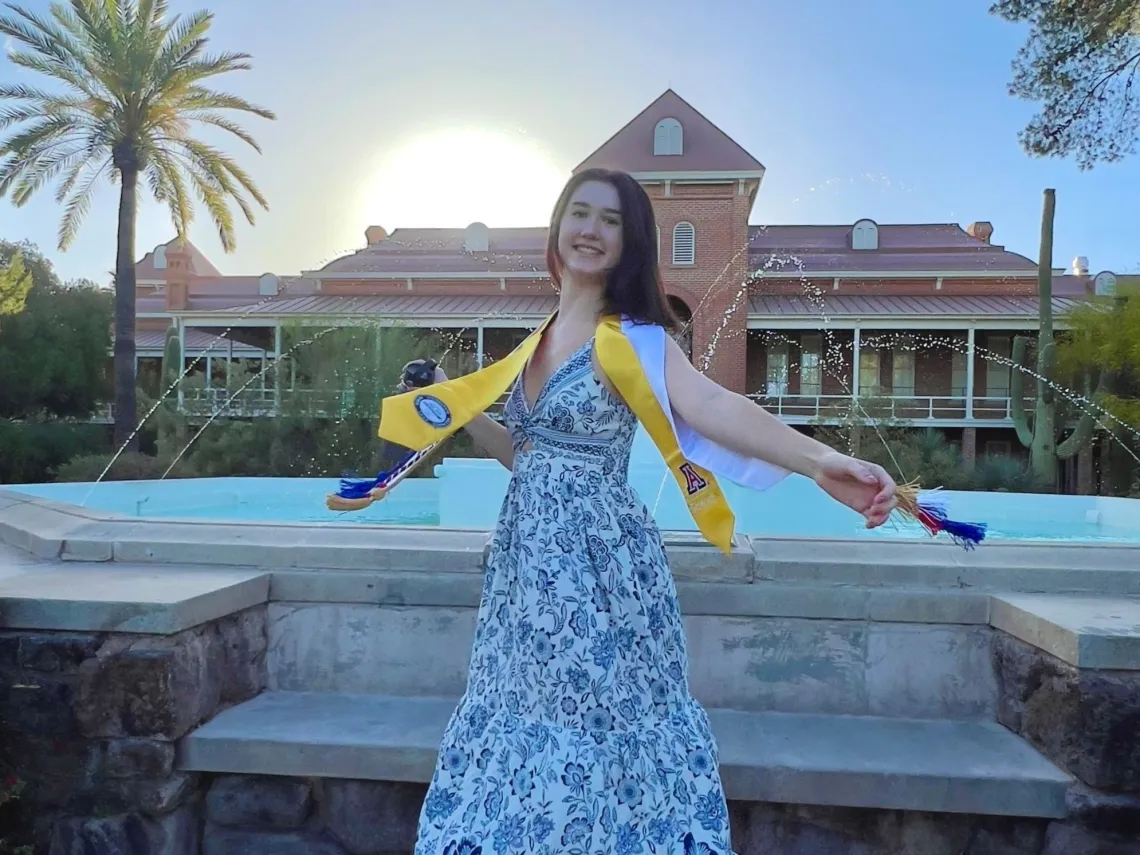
(476, 238)
(668, 138)
(865, 235)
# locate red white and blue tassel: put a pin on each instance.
(356, 494)
(930, 511)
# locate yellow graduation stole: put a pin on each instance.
(418, 418)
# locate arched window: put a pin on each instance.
(684, 244)
(865, 235)
(668, 137)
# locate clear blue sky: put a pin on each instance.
(891, 109)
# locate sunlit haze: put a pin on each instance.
(456, 177)
(447, 113)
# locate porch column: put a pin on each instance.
(209, 371)
(855, 347)
(479, 346)
(970, 373)
(969, 448)
(276, 367)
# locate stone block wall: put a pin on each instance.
(249, 815)
(90, 720)
(292, 816)
(1087, 721)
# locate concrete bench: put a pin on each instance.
(852, 761)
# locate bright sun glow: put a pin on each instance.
(453, 178)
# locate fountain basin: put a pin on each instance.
(467, 493)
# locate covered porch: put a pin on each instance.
(934, 361)
(933, 378)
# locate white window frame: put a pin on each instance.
(668, 138)
(811, 365)
(776, 370)
(998, 372)
(684, 244)
(870, 373)
(958, 374)
(865, 235)
(903, 369)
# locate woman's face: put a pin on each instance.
(590, 235)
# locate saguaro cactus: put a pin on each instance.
(171, 360)
(1039, 433)
(169, 420)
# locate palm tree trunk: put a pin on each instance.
(126, 408)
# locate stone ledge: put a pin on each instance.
(995, 567)
(1088, 632)
(728, 599)
(124, 598)
(941, 766)
(41, 527)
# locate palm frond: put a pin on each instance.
(79, 204)
(169, 186)
(201, 98)
(134, 94)
(224, 124)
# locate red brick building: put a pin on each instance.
(910, 319)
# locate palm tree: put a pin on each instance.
(131, 88)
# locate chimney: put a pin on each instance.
(374, 235)
(1080, 266)
(981, 231)
(178, 276)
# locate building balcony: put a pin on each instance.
(917, 410)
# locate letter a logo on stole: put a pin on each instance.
(694, 483)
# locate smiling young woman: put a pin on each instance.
(578, 732)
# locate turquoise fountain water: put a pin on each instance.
(468, 492)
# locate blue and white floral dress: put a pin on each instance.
(577, 733)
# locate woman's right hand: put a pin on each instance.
(440, 377)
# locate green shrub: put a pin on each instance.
(30, 451)
(130, 466)
(1006, 474)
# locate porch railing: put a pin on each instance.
(910, 408)
(254, 403)
(259, 403)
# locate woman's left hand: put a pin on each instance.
(864, 487)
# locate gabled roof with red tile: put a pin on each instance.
(904, 248)
(148, 267)
(492, 308)
(412, 251)
(887, 305)
(706, 148)
(226, 292)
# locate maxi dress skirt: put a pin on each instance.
(577, 733)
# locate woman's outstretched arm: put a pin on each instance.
(493, 438)
(745, 427)
(488, 434)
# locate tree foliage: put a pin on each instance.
(1080, 64)
(129, 85)
(53, 355)
(1104, 336)
(14, 285)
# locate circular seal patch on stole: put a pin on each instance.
(433, 411)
